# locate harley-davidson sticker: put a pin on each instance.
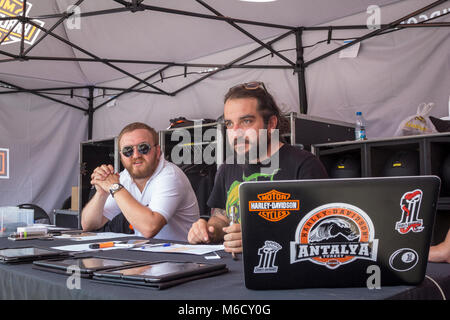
(333, 235)
(274, 205)
(267, 255)
(410, 205)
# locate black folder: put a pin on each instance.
(28, 254)
(161, 274)
(85, 265)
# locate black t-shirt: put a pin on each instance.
(293, 164)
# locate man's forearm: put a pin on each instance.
(142, 218)
(92, 214)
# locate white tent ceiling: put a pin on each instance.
(392, 74)
(158, 36)
(154, 35)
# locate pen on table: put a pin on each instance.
(233, 216)
(101, 245)
(152, 245)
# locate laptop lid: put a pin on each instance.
(337, 232)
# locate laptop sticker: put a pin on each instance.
(267, 255)
(410, 206)
(333, 235)
(403, 259)
(274, 205)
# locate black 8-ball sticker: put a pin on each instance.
(403, 259)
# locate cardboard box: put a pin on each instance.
(74, 204)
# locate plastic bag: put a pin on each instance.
(417, 124)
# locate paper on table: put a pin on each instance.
(94, 236)
(83, 247)
(197, 249)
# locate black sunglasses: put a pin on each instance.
(142, 148)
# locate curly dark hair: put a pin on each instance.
(267, 106)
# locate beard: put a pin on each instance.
(249, 152)
(144, 170)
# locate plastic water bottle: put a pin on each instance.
(360, 127)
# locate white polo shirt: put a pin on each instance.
(168, 192)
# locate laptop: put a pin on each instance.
(337, 232)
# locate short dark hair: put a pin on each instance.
(139, 125)
(267, 106)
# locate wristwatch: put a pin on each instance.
(114, 188)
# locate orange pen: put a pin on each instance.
(102, 245)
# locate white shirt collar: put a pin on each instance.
(158, 169)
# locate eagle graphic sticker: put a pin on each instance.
(333, 235)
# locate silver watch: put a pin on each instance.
(114, 188)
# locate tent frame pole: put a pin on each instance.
(248, 34)
(230, 64)
(20, 89)
(130, 88)
(90, 112)
(300, 70)
(171, 64)
(65, 16)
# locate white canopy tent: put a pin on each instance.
(77, 77)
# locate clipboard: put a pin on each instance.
(85, 265)
(161, 274)
(28, 254)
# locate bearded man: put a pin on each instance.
(154, 195)
(252, 119)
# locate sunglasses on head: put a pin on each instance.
(142, 148)
(251, 86)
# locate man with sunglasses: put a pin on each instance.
(154, 195)
(252, 119)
